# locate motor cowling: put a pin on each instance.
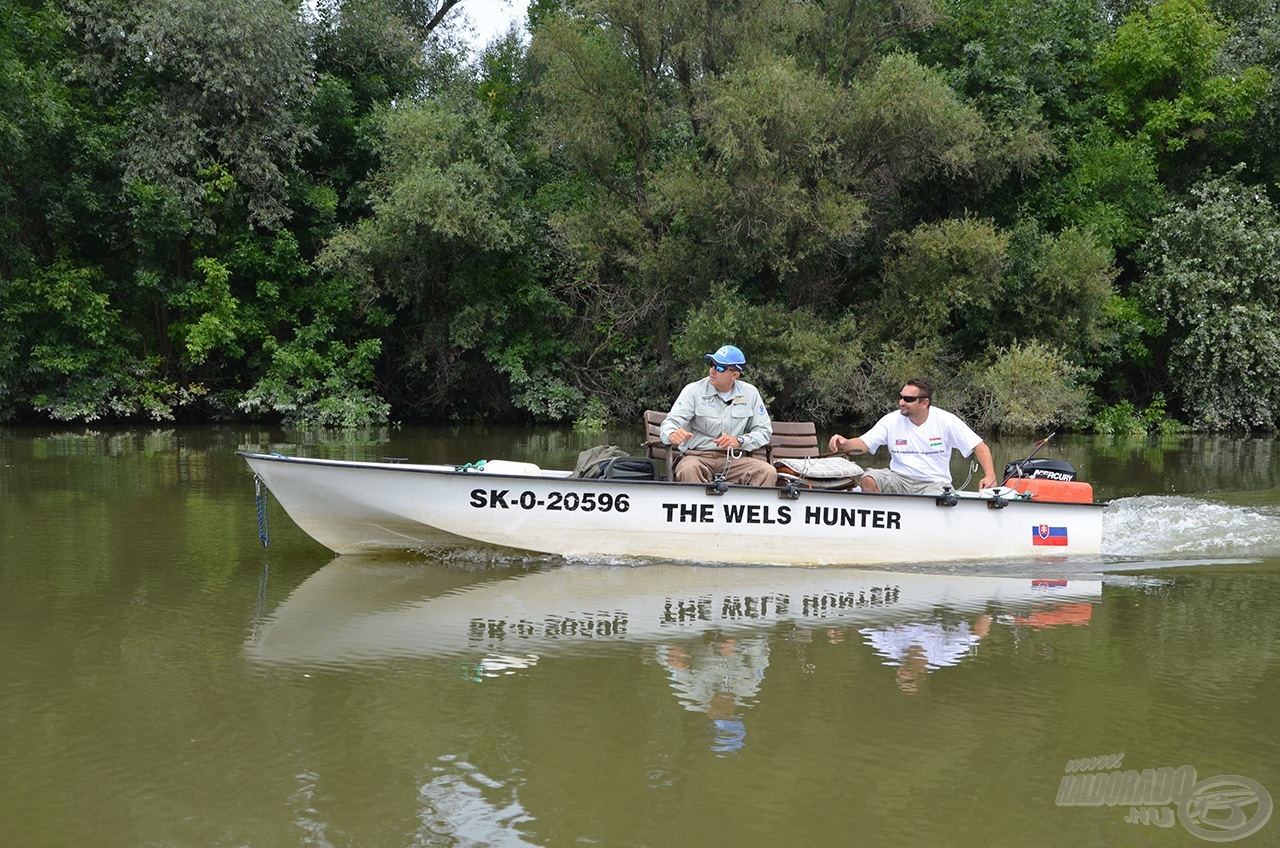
(1041, 469)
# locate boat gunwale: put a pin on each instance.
(561, 475)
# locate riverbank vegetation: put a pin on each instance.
(1063, 211)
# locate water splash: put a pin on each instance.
(1159, 526)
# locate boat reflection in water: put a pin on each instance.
(357, 609)
(708, 627)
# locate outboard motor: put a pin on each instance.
(1041, 469)
(1051, 480)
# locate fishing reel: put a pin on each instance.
(719, 483)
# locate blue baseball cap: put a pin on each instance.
(728, 355)
(731, 735)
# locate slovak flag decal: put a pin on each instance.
(1043, 534)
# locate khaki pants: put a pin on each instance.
(703, 466)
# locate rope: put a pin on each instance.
(260, 605)
(478, 465)
(260, 497)
(730, 454)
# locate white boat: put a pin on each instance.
(361, 507)
(358, 609)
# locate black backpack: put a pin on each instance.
(626, 468)
(611, 462)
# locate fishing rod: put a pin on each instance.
(1034, 450)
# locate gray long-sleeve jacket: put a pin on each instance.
(700, 410)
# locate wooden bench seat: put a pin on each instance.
(791, 440)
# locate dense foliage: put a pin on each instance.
(1062, 211)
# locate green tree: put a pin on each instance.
(194, 224)
(1111, 186)
(969, 292)
(806, 365)
(617, 135)
(1028, 388)
(845, 36)
(1027, 66)
(366, 55)
(444, 250)
(693, 147)
(778, 192)
(202, 83)
(944, 281)
(856, 191)
(65, 339)
(1253, 41)
(37, 107)
(1213, 277)
(1163, 80)
(1058, 289)
(188, 112)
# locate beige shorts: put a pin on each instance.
(893, 483)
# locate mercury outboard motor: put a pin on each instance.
(1052, 480)
(1041, 469)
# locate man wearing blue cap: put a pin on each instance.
(717, 422)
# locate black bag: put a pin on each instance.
(626, 468)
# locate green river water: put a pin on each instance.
(165, 680)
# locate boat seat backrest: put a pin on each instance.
(791, 440)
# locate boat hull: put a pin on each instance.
(361, 507)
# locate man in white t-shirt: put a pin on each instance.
(920, 438)
(917, 648)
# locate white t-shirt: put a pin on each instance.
(923, 451)
(940, 645)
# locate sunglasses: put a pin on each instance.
(911, 398)
(720, 369)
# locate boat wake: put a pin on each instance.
(1159, 527)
